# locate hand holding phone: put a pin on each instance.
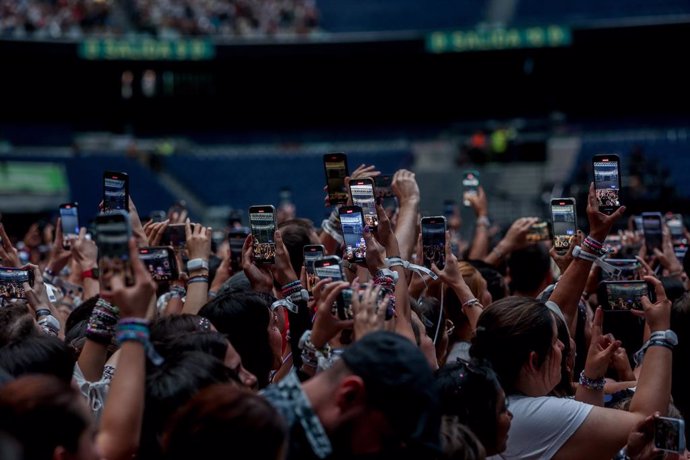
(651, 226)
(236, 237)
(352, 224)
(312, 253)
(12, 282)
(335, 166)
(113, 232)
(624, 295)
(607, 182)
(262, 222)
(434, 241)
(69, 219)
(160, 261)
(470, 185)
(564, 220)
(539, 231)
(669, 434)
(115, 191)
(362, 193)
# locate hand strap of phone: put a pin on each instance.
(419, 269)
(613, 271)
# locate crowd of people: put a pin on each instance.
(503, 353)
(165, 19)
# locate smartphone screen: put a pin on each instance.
(669, 434)
(69, 217)
(236, 238)
(470, 184)
(262, 222)
(607, 182)
(539, 231)
(312, 252)
(113, 231)
(624, 295)
(651, 226)
(12, 282)
(160, 262)
(115, 190)
(564, 222)
(352, 223)
(434, 241)
(329, 267)
(335, 165)
(362, 192)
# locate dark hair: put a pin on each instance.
(470, 391)
(673, 287)
(528, 267)
(221, 416)
(565, 386)
(296, 234)
(244, 316)
(212, 342)
(43, 412)
(81, 313)
(38, 354)
(495, 282)
(432, 316)
(166, 328)
(16, 323)
(508, 331)
(680, 324)
(170, 386)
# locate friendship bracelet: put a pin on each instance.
(197, 279)
(591, 384)
(137, 330)
(101, 325)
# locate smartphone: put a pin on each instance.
(362, 193)
(383, 186)
(470, 184)
(669, 434)
(158, 215)
(262, 222)
(539, 231)
(329, 267)
(352, 224)
(12, 282)
(676, 228)
(175, 236)
(312, 252)
(434, 241)
(236, 238)
(69, 217)
(607, 182)
(335, 165)
(564, 222)
(115, 191)
(160, 262)
(624, 295)
(629, 269)
(113, 231)
(651, 225)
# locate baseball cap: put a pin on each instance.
(400, 383)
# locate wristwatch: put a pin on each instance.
(197, 264)
(90, 273)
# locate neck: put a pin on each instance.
(528, 385)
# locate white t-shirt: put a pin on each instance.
(541, 426)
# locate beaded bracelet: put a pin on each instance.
(291, 288)
(101, 325)
(591, 384)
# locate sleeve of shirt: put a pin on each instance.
(541, 426)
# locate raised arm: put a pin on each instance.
(406, 189)
(480, 243)
(198, 247)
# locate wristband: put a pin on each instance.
(591, 384)
(483, 221)
(197, 264)
(197, 279)
(419, 269)
(470, 303)
(101, 325)
(49, 324)
(137, 330)
(42, 312)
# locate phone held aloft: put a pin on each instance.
(329, 267)
(335, 166)
(470, 185)
(12, 282)
(669, 434)
(115, 191)
(352, 224)
(69, 218)
(160, 262)
(434, 241)
(624, 295)
(607, 182)
(312, 253)
(113, 231)
(564, 222)
(262, 222)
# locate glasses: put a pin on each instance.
(450, 327)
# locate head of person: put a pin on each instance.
(478, 286)
(296, 234)
(495, 282)
(48, 417)
(171, 385)
(459, 442)
(435, 323)
(225, 415)
(16, 323)
(38, 354)
(565, 386)
(213, 343)
(377, 397)
(423, 341)
(529, 269)
(519, 337)
(168, 327)
(471, 392)
(246, 319)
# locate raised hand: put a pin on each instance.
(599, 223)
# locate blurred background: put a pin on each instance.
(229, 103)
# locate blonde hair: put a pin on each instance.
(472, 277)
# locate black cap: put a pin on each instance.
(400, 383)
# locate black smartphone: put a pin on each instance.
(564, 219)
(434, 241)
(607, 182)
(539, 231)
(312, 252)
(651, 226)
(352, 224)
(113, 231)
(624, 295)
(329, 267)
(236, 238)
(362, 193)
(669, 434)
(115, 191)
(175, 236)
(470, 184)
(262, 222)
(160, 262)
(69, 218)
(12, 282)
(335, 165)
(383, 186)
